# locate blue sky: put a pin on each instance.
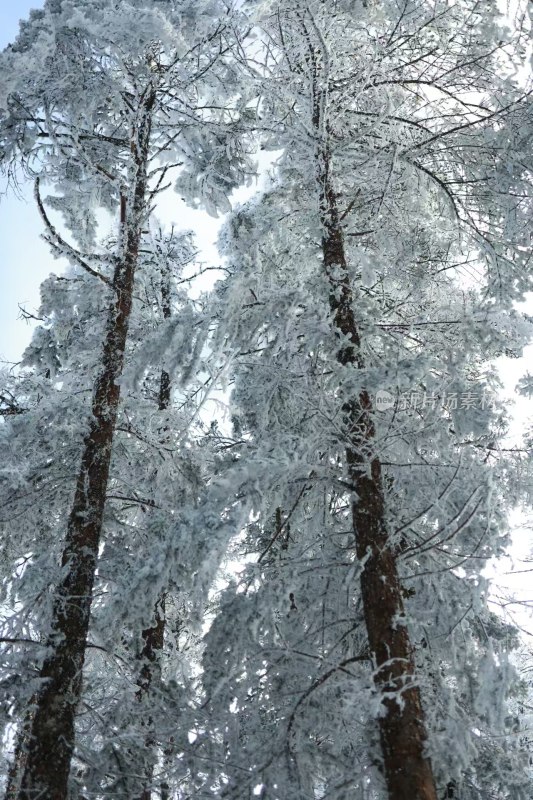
(24, 259)
(11, 11)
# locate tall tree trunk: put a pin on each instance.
(166, 305)
(51, 739)
(154, 637)
(407, 770)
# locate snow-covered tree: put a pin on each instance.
(103, 101)
(365, 659)
(293, 696)
(350, 512)
(152, 459)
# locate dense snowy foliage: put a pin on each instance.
(270, 566)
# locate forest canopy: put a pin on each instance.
(248, 507)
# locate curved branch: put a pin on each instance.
(319, 681)
(58, 243)
(439, 183)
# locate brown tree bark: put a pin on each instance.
(407, 770)
(51, 738)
